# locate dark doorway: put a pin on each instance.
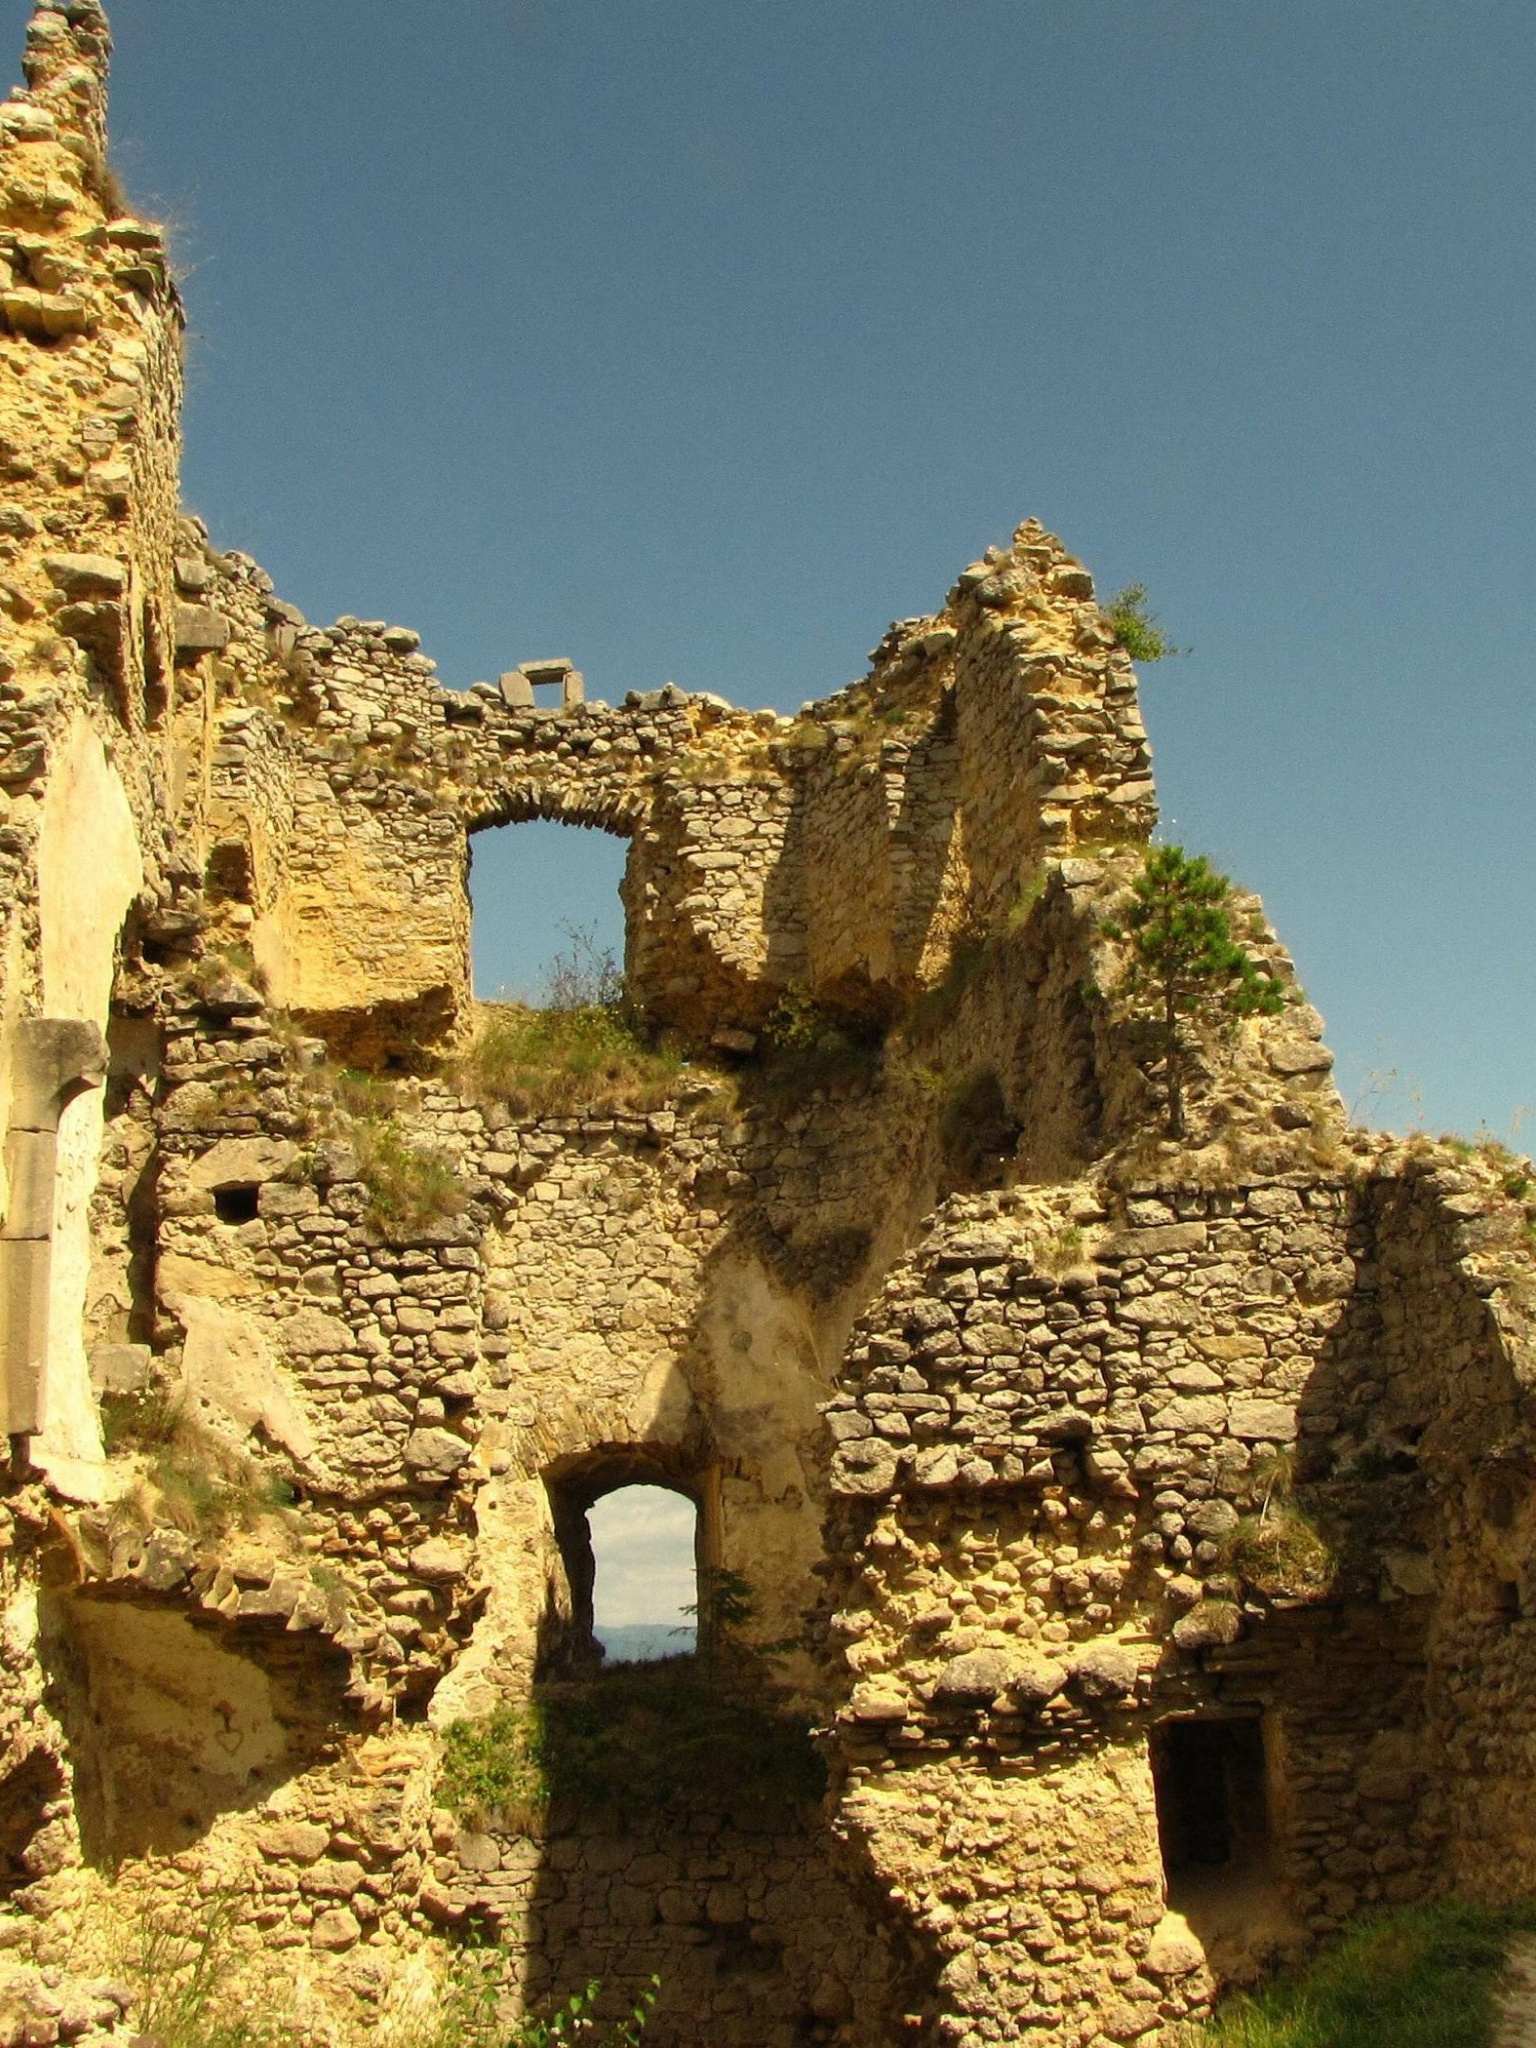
(1212, 1803)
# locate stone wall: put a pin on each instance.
(1091, 1488)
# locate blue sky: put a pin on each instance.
(698, 342)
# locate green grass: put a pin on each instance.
(408, 1186)
(184, 1969)
(636, 1738)
(193, 1478)
(1425, 1977)
(552, 1061)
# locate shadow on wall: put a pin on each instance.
(173, 1721)
(31, 1796)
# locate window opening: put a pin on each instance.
(543, 685)
(237, 1205)
(645, 1576)
(531, 886)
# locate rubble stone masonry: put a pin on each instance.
(1138, 1535)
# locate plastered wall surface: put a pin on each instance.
(1091, 1490)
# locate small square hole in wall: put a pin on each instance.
(237, 1205)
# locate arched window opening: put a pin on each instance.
(531, 887)
(636, 1525)
(645, 1583)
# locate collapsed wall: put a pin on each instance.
(1140, 1526)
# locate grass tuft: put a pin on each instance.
(408, 1186)
(194, 1479)
(549, 1062)
(1424, 1977)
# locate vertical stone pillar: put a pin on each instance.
(52, 1061)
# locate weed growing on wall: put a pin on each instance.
(408, 1185)
(551, 1062)
(182, 1965)
(1185, 965)
(1138, 629)
(193, 1478)
(579, 1049)
(806, 1046)
(470, 2012)
(1427, 1977)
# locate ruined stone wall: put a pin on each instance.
(1038, 1437)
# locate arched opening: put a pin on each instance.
(636, 1527)
(532, 886)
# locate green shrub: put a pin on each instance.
(1184, 964)
(553, 1061)
(808, 1046)
(1283, 1553)
(1138, 629)
(494, 1770)
(1426, 1977)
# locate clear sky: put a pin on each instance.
(697, 342)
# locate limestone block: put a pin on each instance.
(440, 1561)
(336, 1929)
(312, 1334)
(1294, 1056)
(201, 630)
(1147, 1244)
(435, 1453)
(1258, 1420)
(52, 1058)
(1173, 1951)
(974, 1678)
(1104, 1671)
(1034, 1681)
(294, 1841)
(31, 1168)
(875, 1702)
(121, 1368)
(1213, 1624)
(86, 576)
(242, 1162)
(227, 1364)
(25, 1267)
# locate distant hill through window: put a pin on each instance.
(643, 1545)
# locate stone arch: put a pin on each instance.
(576, 1483)
(619, 815)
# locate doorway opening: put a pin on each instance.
(1214, 1779)
(1212, 1798)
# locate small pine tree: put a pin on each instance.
(1185, 962)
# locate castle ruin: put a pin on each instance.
(1143, 1528)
